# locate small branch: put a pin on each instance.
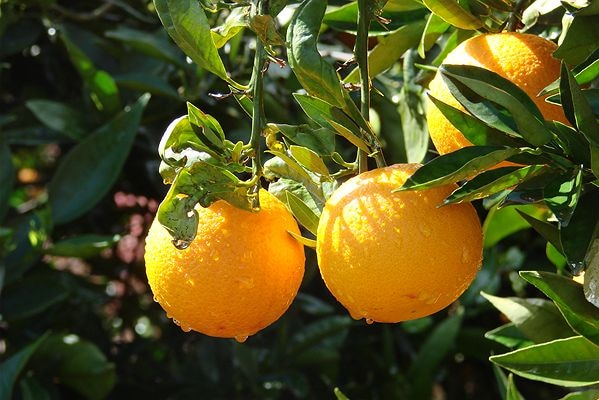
(83, 16)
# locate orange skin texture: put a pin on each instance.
(524, 59)
(390, 257)
(238, 276)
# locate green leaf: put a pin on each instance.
(504, 222)
(435, 348)
(461, 164)
(577, 108)
(327, 333)
(265, 28)
(7, 176)
(321, 140)
(90, 169)
(142, 82)
(583, 395)
(389, 49)
(512, 392)
(311, 243)
(493, 87)
(562, 194)
(339, 395)
(567, 362)
(187, 24)
(473, 129)
(591, 275)
(302, 212)
(59, 116)
(31, 389)
(571, 142)
(509, 336)
(82, 246)
(538, 319)
(567, 295)
(309, 159)
(579, 39)
(314, 73)
(154, 45)
(435, 27)
(12, 367)
(413, 122)
(549, 231)
(31, 296)
(78, 364)
(493, 181)
(451, 12)
(209, 127)
(577, 237)
(103, 90)
(234, 23)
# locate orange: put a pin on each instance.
(524, 59)
(391, 257)
(238, 276)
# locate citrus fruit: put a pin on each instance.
(391, 257)
(238, 276)
(524, 59)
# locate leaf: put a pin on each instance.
(579, 40)
(327, 333)
(311, 243)
(436, 346)
(583, 395)
(7, 176)
(413, 122)
(493, 181)
(549, 231)
(321, 140)
(82, 246)
(504, 222)
(567, 295)
(538, 319)
(309, 159)
(90, 169)
(234, 23)
(31, 296)
(152, 44)
(58, 116)
(493, 87)
(567, 362)
(451, 12)
(460, 164)
(314, 73)
(572, 142)
(591, 274)
(302, 212)
(12, 367)
(265, 28)
(577, 237)
(562, 194)
(187, 24)
(143, 82)
(103, 90)
(209, 127)
(389, 49)
(78, 364)
(435, 27)
(509, 336)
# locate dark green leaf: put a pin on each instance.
(90, 169)
(576, 238)
(591, 274)
(31, 296)
(493, 181)
(12, 367)
(31, 389)
(78, 364)
(538, 319)
(582, 316)
(321, 140)
(503, 222)
(413, 122)
(452, 167)
(7, 176)
(572, 143)
(59, 116)
(562, 194)
(451, 12)
(494, 88)
(580, 40)
(209, 127)
(509, 336)
(567, 362)
(435, 27)
(314, 73)
(17, 36)
(582, 395)
(82, 246)
(327, 333)
(142, 82)
(549, 231)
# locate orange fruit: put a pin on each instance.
(524, 59)
(238, 276)
(391, 257)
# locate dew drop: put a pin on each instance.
(185, 328)
(369, 321)
(156, 299)
(577, 267)
(241, 338)
(176, 322)
(181, 244)
(169, 316)
(425, 230)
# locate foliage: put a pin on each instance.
(265, 91)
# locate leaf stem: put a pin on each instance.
(257, 93)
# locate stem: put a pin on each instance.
(361, 56)
(257, 90)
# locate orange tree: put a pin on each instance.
(297, 97)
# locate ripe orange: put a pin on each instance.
(238, 276)
(524, 59)
(391, 257)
